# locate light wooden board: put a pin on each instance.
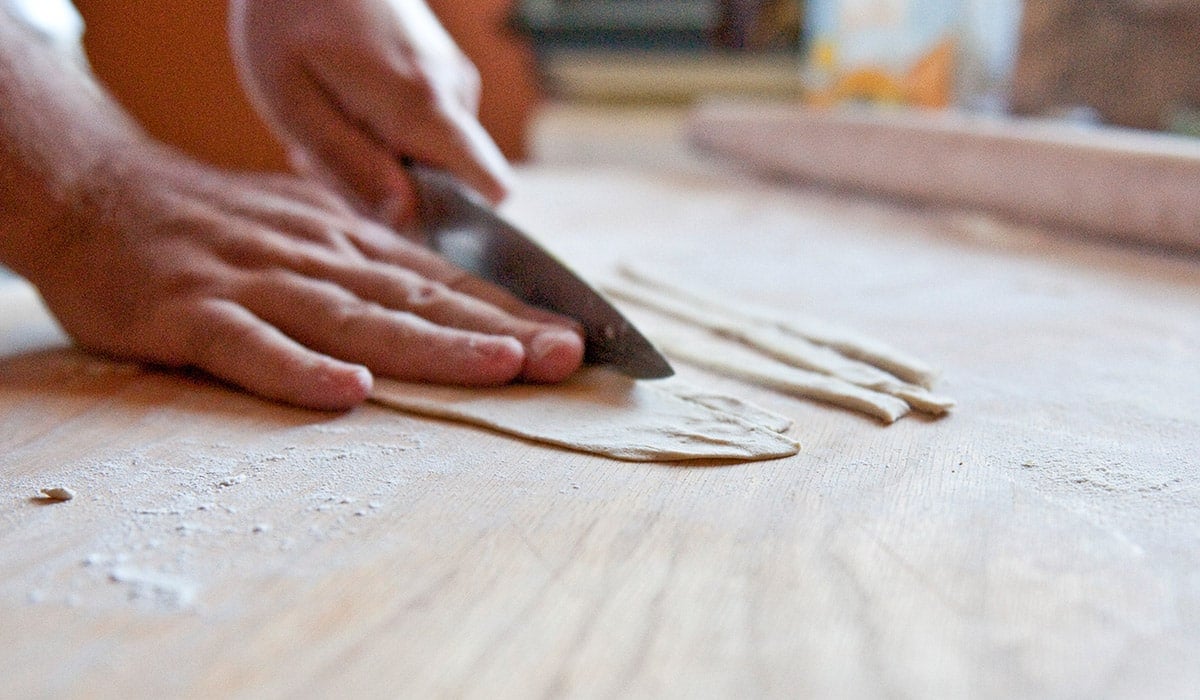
(1118, 183)
(1041, 542)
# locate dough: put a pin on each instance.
(773, 339)
(737, 361)
(603, 412)
(845, 341)
(721, 402)
(58, 493)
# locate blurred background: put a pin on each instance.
(1133, 63)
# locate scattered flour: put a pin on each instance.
(160, 589)
(164, 529)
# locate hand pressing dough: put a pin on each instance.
(603, 412)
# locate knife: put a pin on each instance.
(463, 229)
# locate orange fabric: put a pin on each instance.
(506, 65)
(168, 62)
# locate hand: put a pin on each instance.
(273, 284)
(355, 86)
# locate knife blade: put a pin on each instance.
(462, 228)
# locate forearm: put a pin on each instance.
(56, 124)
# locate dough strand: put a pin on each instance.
(849, 343)
(790, 349)
(739, 362)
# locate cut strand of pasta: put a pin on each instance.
(733, 360)
(785, 347)
(818, 331)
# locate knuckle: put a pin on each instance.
(209, 331)
(424, 294)
(344, 315)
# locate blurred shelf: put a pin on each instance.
(650, 77)
(612, 24)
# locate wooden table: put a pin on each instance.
(1043, 541)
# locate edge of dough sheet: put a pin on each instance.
(602, 412)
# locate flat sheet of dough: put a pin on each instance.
(602, 412)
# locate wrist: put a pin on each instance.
(56, 128)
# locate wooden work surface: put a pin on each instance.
(1042, 541)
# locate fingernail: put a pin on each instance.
(549, 342)
(553, 355)
(364, 378)
(502, 359)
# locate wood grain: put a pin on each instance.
(1041, 542)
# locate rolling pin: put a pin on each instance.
(1117, 183)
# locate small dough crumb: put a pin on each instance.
(58, 493)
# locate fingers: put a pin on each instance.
(410, 314)
(383, 267)
(288, 353)
(552, 356)
(403, 325)
(554, 343)
(327, 318)
(472, 156)
(385, 246)
(349, 158)
(358, 86)
(230, 343)
(420, 103)
(360, 147)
